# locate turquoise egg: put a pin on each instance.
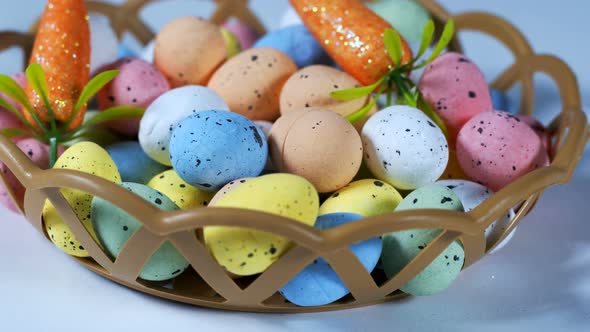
(400, 248)
(114, 227)
(408, 17)
(134, 164)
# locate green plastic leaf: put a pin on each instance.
(14, 91)
(360, 114)
(393, 45)
(15, 132)
(443, 42)
(114, 113)
(426, 38)
(37, 80)
(92, 88)
(4, 103)
(356, 93)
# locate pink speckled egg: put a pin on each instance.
(21, 79)
(245, 34)
(456, 89)
(138, 84)
(39, 154)
(538, 127)
(496, 148)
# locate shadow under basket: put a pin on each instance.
(205, 282)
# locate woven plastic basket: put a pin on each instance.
(207, 284)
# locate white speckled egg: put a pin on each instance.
(167, 111)
(404, 147)
(471, 195)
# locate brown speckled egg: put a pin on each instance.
(319, 145)
(311, 86)
(188, 50)
(251, 82)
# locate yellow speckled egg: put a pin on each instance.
(311, 87)
(367, 197)
(227, 188)
(188, 50)
(181, 193)
(245, 251)
(86, 157)
(251, 82)
(319, 145)
(453, 170)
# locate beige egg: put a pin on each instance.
(312, 86)
(251, 82)
(319, 145)
(188, 50)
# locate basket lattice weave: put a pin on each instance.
(207, 284)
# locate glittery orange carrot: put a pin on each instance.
(62, 48)
(352, 34)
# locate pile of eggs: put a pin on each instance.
(234, 120)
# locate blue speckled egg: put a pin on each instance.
(133, 164)
(400, 248)
(211, 148)
(499, 100)
(114, 227)
(318, 283)
(298, 43)
(125, 52)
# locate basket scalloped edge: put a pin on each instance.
(208, 285)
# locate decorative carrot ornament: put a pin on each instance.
(57, 88)
(62, 48)
(352, 34)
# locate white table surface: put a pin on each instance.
(539, 282)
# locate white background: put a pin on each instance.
(540, 281)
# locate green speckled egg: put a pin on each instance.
(114, 227)
(85, 157)
(181, 193)
(401, 247)
(367, 197)
(407, 16)
(246, 252)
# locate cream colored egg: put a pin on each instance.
(251, 82)
(312, 86)
(181, 193)
(245, 251)
(188, 50)
(368, 197)
(318, 145)
(85, 157)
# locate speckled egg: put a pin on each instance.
(133, 164)
(265, 127)
(232, 44)
(298, 43)
(39, 154)
(181, 193)
(401, 247)
(471, 195)
(500, 100)
(407, 16)
(138, 84)
(318, 283)
(211, 148)
(88, 158)
(124, 51)
(453, 170)
(368, 197)
(251, 82)
(456, 89)
(227, 188)
(245, 251)
(246, 35)
(311, 87)
(103, 41)
(188, 50)
(404, 147)
(539, 129)
(114, 227)
(319, 145)
(164, 114)
(496, 148)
